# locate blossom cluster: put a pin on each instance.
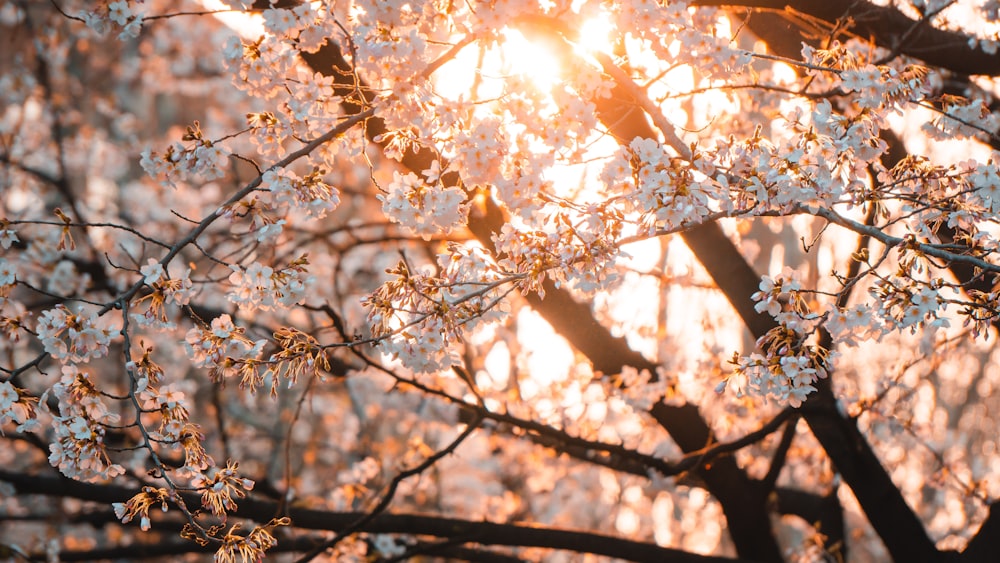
(259, 67)
(907, 304)
(262, 287)
(408, 314)
(962, 118)
(423, 208)
(308, 193)
(417, 317)
(219, 490)
(175, 429)
(74, 336)
(787, 366)
(119, 13)
(18, 406)
(575, 246)
(79, 428)
(854, 325)
(222, 347)
(164, 290)
(669, 192)
(200, 158)
(300, 24)
(390, 45)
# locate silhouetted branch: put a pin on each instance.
(780, 454)
(889, 28)
(485, 533)
(742, 500)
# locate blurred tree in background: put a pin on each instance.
(499, 281)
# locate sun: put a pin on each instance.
(534, 60)
(248, 25)
(544, 61)
(595, 35)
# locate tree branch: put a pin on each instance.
(743, 501)
(889, 28)
(486, 533)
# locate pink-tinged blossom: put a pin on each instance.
(18, 406)
(309, 194)
(262, 287)
(78, 450)
(787, 379)
(152, 271)
(868, 82)
(73, 337)
(421, 208)
(856, 80)
(854, 325)
(209, 161)
(222, 347)
(167, 168)
(774, 291)
(8, 272)
(767, 297)
(648, 151)
(962, 118)
(119, 12)
(479, 152)
(925, 300)
(8, 395)
(423, 348)
(280, 21)
(7, 238)
(986, 182)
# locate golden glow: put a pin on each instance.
(595, 34)
(247, 24)
(535, 61)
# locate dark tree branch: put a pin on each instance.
(619, 457)
(139, 551)
(742, 499)
(485, 533)
(450, 550)
(827, 515)
(780, 454)
(888, 27)
(383, 504)
(894, 521)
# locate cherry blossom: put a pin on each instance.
(73, 337)
(664, 274)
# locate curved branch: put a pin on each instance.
(891, 517)
(892, 241)
(743, 501)
(383, 504)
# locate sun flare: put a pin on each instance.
(595, 34)
(536, 61)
